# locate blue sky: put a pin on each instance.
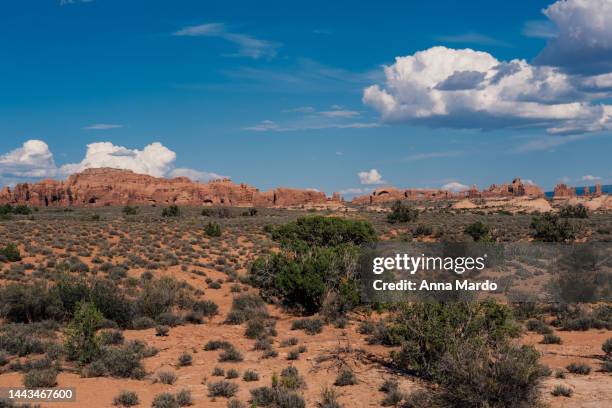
(295, 94)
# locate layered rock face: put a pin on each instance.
(515, 189)
(106, 186)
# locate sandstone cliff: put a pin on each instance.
(106, 186)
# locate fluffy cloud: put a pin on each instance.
(590, 177)
(583, 41)
(34, 160)
(454, 186)
(370, 177)
(471, 89)
(155, 159)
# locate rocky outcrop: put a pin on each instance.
(564, 191)
(107, 187)
(515, 189)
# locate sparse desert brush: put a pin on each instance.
(578, 368)
(246, 306)
(212, 229)
(126, 399)
(230, 355)
(562, 390)
(111, 337)
(250, 375)
(551, 339)
(234, 403)
(222, 388)
(162, 330)
(346, 376)
(311, 325)
(164, 400)
(477, 230)
(166, 377)
(45, 378)
(212, 345)
(185, 359)
(183, 398)
(232, 373)
(329, 398)
(550, 227)
(607, 347)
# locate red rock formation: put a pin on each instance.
(105, 186)
(515, 189)
(564, 191)
(597, 192)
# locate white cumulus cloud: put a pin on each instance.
(590, 177)
(370, 177)
(471, 89)
(583, 40)
(34, 160)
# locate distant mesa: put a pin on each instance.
(516, 188)
(110, 187)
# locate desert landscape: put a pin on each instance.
(135, 303)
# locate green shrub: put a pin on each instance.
(212, 229)
(230, 354)
(11, 252)
(45, 378)
(81, 343)
(130, 210)
(164, 400)
(324, 232)
(311, 325)
(126, 399)
(401, 213)
(183, 398)
(231, 374)
(562, 390)
(550, 228)
(607, 346)
(171, 211)
(329, 398)
(250, 375)
(477, 230)
(574, 211)
(222, 389)
(166, 377)
(162, 330)
(551, 339)
(345, 377)
(578, 368)
(245, 307)
(185, 359)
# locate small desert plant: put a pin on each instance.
(185, 359)
(250, 375)
(212, 229)
(183, 398)
(111, 337)
(217, 344)
(329, 398)
(549, 228)
(236, 404)
(574, 211)
(218, 372)
(162, 330)
(171, 211)
(232, 373)
(293, 355)
(126, 399)
(45, 378)
(345, 377)
(402, 213)
(166, 377)
(81, 343)
(230, 354)
(562, 390)
(164, 400)
(130, 210)
(551, 339)
(11, 252)
(578, 368)
(607, 347)
(222, 389)
(538, 326)
(311, 325)
(478, 231)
